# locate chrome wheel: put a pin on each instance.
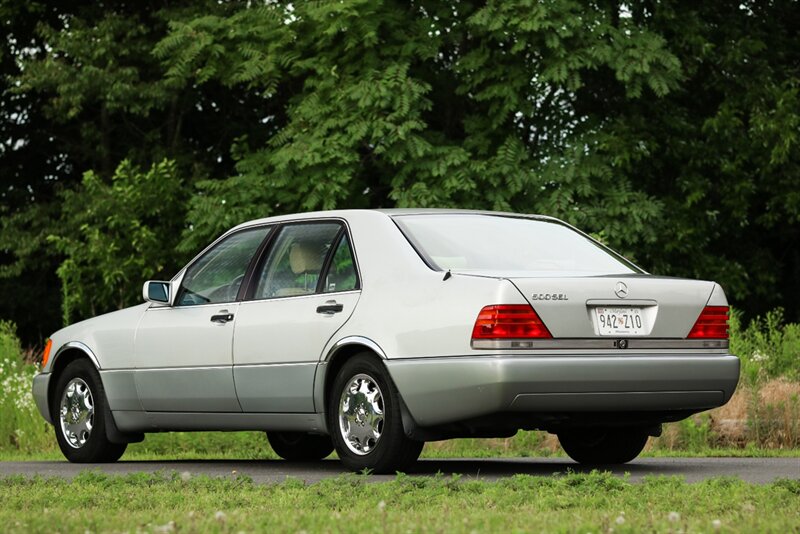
(77, 413)
(361, 414)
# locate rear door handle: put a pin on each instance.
(330, 307)
(222, 318)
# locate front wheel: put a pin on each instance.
(364, 419)
(300, 446)
(79, 409)
(603, 446)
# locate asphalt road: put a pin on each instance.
(755, 470)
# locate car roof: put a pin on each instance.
(389, 212)
(429, 211)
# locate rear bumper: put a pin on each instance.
(41, 384)
(447, 390)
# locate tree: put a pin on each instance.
(81, 92)
(424, 104)
(113, 235)
(721, 151)
(667, 129)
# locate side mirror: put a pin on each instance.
(156, 292)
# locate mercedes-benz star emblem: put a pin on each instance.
(621, 290)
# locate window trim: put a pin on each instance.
(326, 263)
(252, 267)
(329, 261)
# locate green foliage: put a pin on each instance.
(10, 348)
(722, 151)
(768, 347)
(114, 234)
(90, 66)
(21, 426)
(414, 122)
(695, 434)
(669, 130)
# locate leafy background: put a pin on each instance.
(132, 133)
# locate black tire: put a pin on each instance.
(611, 446)
(393, 451)
(96, 448)
(300, 446)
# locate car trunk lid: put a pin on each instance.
(634, 306)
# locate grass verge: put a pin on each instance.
(591, 502)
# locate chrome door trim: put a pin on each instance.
(185, 367)
(310, 295)
(276, 364)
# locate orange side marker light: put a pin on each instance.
(46, 356)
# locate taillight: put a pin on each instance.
(48, 346)
(712, 323)
(509, 321)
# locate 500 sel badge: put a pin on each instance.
(549, 296)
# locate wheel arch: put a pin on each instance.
(67, 353)
(336, 357)
(401, 449)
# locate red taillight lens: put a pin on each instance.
(509, 321)
(712, 323)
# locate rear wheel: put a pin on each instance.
(364, 419)
(79, 410)
(300, 446)
(603, 446)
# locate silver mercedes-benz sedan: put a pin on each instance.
(372, 332)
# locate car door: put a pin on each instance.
(304, 289)
(183, 352)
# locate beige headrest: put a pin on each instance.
(304, 258)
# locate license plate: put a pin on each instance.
(619, 321)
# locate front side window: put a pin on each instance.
(477, 242)
(218, 274)
(295, 261)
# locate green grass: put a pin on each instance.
(21, 425)
(591, 502)
(768, 347)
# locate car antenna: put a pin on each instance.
(447, 275)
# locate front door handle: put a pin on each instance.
(330, 307)
(222, 318)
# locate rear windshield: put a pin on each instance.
(475, 242)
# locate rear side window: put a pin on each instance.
(295, 260)
(475, 242)
(341, 275)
